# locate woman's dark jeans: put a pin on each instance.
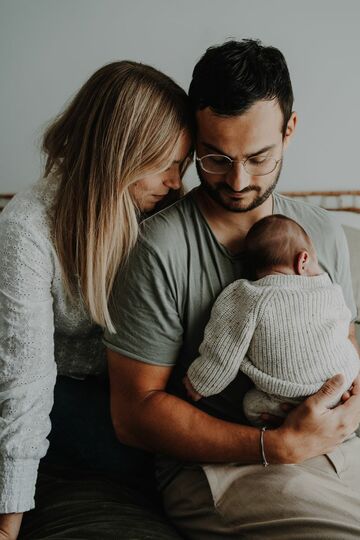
(82, 434)
(90, 486)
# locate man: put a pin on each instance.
(241, 93)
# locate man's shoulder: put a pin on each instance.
(171, 225)
(307, 214)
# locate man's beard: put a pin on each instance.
(215, 193)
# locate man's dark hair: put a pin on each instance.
(230, 78)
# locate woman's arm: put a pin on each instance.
(27, 366)
(145, 415)
(10, 526)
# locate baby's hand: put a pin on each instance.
(191, 392)
(346, 395)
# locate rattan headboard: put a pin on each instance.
(345, 200)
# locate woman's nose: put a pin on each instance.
(174, 181)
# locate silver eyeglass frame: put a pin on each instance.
(232, 161)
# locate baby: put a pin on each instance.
(288, 330)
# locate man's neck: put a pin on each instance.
(230, 228)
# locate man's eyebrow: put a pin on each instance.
(246, 156)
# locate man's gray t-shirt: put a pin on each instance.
(161, 301)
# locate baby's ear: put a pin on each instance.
(301, 261)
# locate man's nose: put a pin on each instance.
(237, 177)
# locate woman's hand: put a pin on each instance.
(313, 428)
(10, 526)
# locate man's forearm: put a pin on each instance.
(167, 424)
(145, 415)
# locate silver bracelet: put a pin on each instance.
(262, 447)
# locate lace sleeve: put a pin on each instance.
(27, 366)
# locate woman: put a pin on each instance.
(118, 150)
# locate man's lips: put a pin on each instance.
(239, 194)
(236, 195)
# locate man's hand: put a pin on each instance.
(312, 428)
(10, 526)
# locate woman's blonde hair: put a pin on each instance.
(125, 121)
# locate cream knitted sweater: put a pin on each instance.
(42, 333)
(288, 333)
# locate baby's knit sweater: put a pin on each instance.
(288, 333)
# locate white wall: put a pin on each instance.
(49, 47)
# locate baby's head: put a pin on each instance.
(277, 244)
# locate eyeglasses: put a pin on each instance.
(255, 166)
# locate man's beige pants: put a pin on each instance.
(318, 499)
